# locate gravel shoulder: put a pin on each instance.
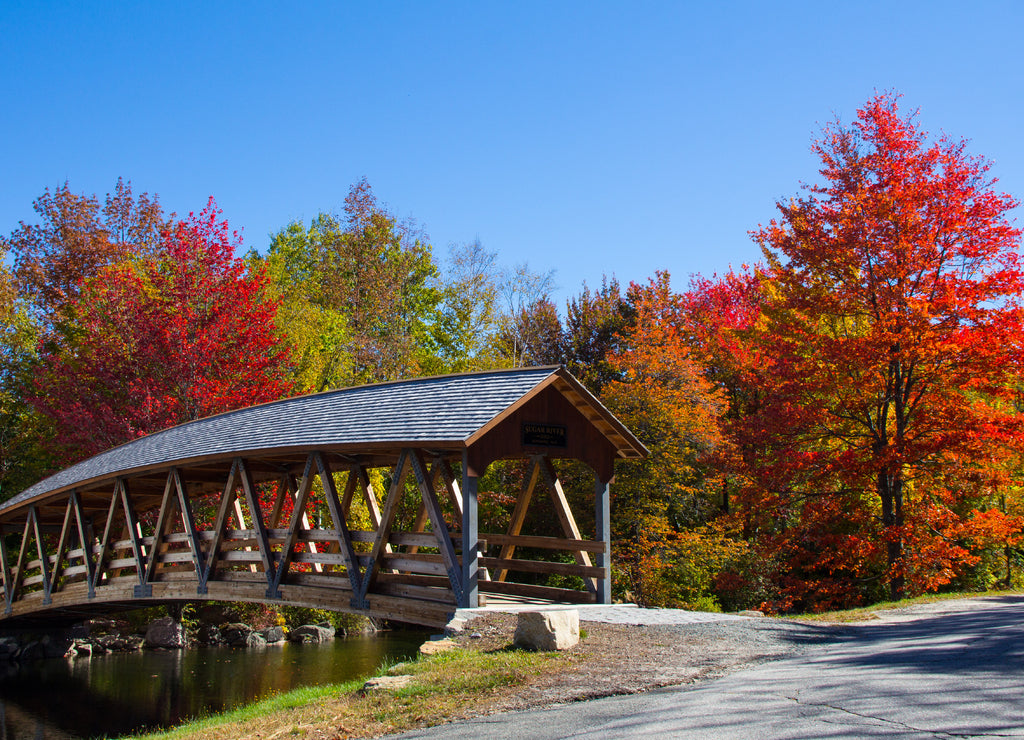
(616, 658)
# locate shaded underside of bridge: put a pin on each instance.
(362, 500)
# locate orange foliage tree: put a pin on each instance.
(661, 394)
(890, 334)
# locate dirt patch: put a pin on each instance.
(615, 659)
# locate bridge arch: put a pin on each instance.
(282, 503)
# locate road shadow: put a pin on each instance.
(988, 639)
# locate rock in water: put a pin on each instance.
(311, 633)
(165, 633)
(548, 630)
(273, 634)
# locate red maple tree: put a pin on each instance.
(164, 340)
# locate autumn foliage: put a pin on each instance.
(163, 340)
(874, 391)
(837, 425)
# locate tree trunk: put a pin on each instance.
(890, 490)
(1008, 552)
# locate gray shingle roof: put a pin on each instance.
(440, 409)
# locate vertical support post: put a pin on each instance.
(603, 518)
(470, 598)
(5, 575)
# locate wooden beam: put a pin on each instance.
(104, 548)
(62, 541)
(84, 529)
(566, 518)
(5, 574)
(304, 524)
(44, 559)
(219, 524)
(603, 519)
(359, 600)
(275, 514)
(451, 485)
(340, 525)
(544, 566)
(545, 543)
(263, 540)
(298, 516)
(134, 531)
(440, 529)
(519, 513)
(162, 520)
(471, 548)
(19, 574)
(189, 521)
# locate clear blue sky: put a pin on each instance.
(585, 137)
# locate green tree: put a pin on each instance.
(467, 332)
(365, 281)
(22, 457)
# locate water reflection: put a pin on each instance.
(120, 693)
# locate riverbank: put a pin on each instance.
(483, 676)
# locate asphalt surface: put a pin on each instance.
(946, 670)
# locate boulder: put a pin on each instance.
(34, 650)
(8, 648)
(548, 630)
(110, 643)
(209, 634)
(164, 633)
(273, 634)
(56, 646)
(254, 640)
(236, 634)
(386, 683)
(433, 647)
(311, 633)
(99, 626)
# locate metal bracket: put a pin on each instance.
(455, 578)
(274, 593)
(142, 592)
(357, 603)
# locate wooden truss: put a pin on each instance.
(318, 538)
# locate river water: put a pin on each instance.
(120, 693)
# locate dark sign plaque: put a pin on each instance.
(544, 435)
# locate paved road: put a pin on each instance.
(952, 670)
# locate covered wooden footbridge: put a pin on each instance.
(285, 503)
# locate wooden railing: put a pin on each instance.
(409, 575)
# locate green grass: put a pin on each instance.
(444, 686)
(271, 705)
